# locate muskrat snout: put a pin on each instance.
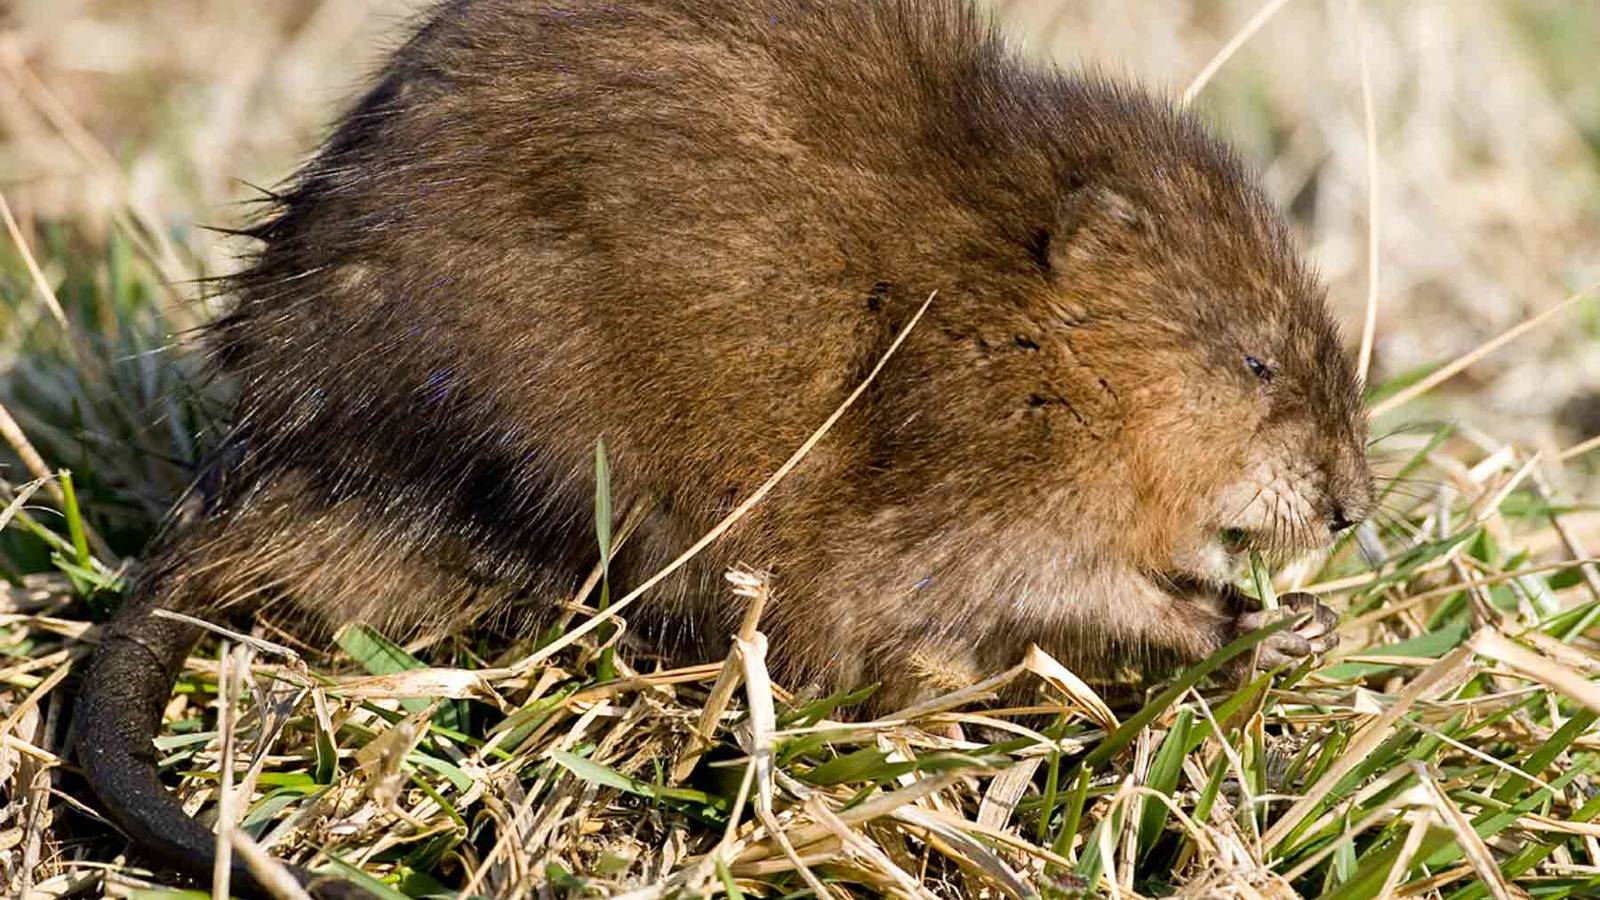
(1349, 491)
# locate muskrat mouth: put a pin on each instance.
(1234, 540)
(1217, 579)
(1189, 584)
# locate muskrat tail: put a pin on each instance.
(118, 716)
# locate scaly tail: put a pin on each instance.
(118, 716)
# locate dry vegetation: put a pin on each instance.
(1449, 750)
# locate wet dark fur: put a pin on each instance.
(691, 228)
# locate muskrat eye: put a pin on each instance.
(1258, 368)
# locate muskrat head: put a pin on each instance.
(1300, 474)
(1241, 419)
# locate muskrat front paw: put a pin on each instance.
(1314, 632)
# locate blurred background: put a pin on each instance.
(126, 125)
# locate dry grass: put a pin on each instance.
(1449, 750)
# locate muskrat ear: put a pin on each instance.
(1091, 207)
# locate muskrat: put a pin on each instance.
(689, 228)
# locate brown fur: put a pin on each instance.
(690, 228)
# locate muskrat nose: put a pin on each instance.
(1347, 497)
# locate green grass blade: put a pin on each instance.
(1122, 737)
(1165, 770)
(75, 529)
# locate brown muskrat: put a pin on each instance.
(691, 228)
